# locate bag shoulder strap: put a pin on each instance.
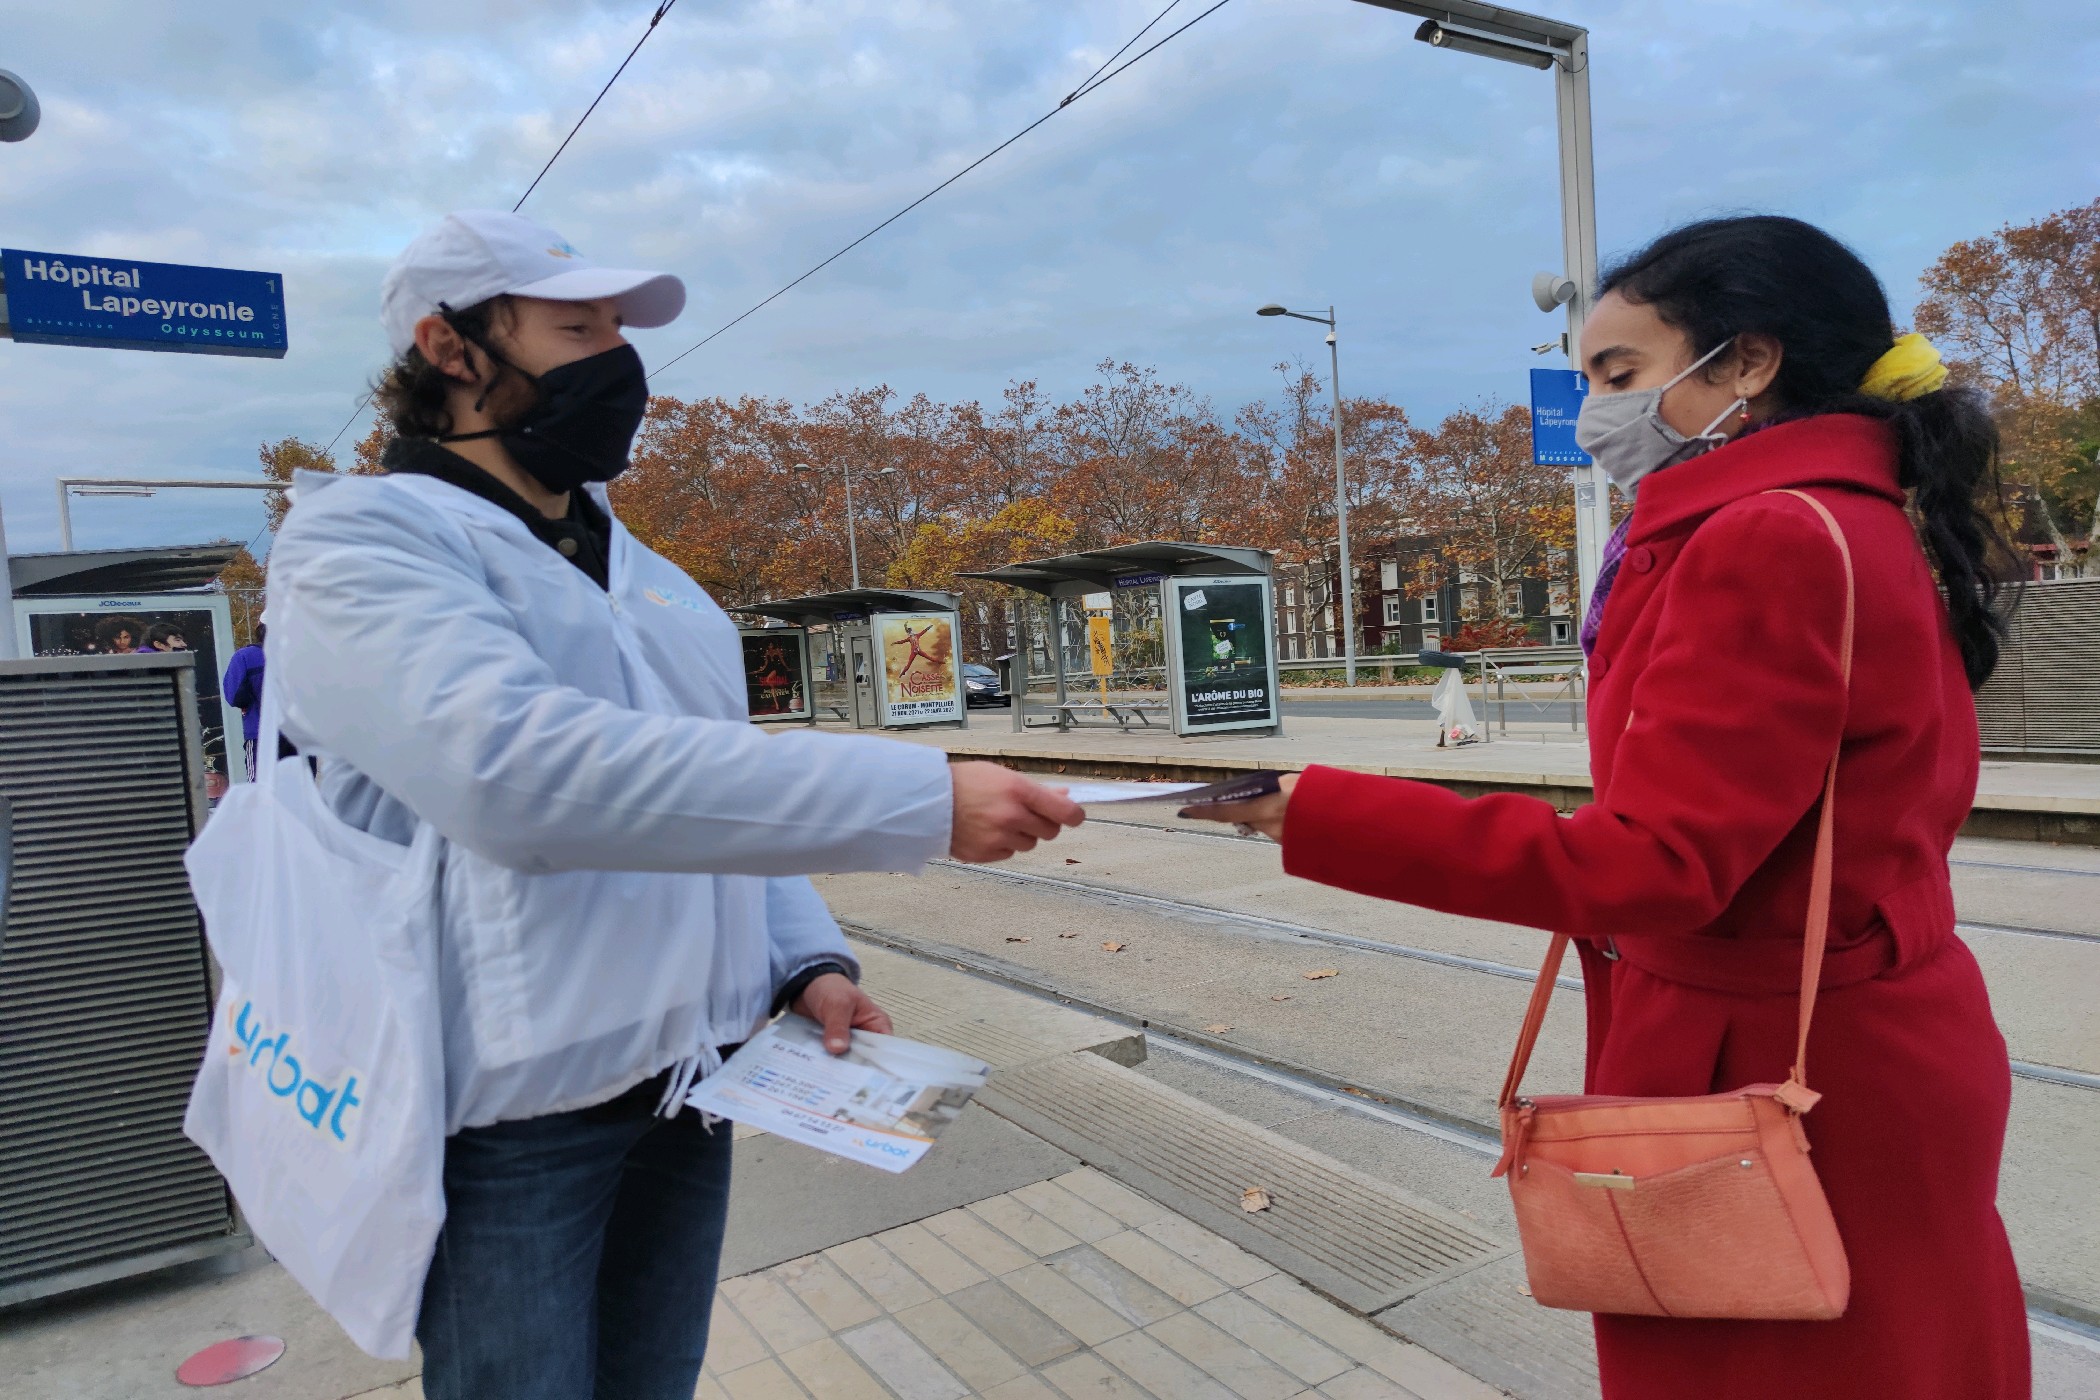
(1795, 1093)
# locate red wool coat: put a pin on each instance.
(1715, 702)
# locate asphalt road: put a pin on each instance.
(1417, 1012)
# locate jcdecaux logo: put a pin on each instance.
(327, 1108)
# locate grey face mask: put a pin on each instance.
(1625, 433)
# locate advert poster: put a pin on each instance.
(121, 628)
(1227, 681)
(921, 674)
(776, 672)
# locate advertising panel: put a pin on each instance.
(921, 674)
(199, 623)
(1222, 636)
(124, 304)
(776, 672)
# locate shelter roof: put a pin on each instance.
(849, 603)
(174, 569)
(1093, 570)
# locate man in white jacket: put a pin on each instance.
(473, 642)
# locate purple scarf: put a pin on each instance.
(1607, 574)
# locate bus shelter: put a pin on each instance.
(879, 658)
(1197, 644)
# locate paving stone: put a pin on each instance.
(1076, 1217)
(731, 1345)
(1288, 1346)
(1014, 1323)
(980, 1243)
(1161, 1267)
(1104, 1193)
(1211, 1253)
(762, 1381)
(963, 1348)
(1159, 1370)
(1428, 1376)
(880, 1274)
(935, 1262)
(780, 1321)
(1363, 1383)
(1123, 1292)
(1233, 1364)
(709, 1389)
(1067, 1304)
(827, 1292)
(829, 1372)
(1021, 1388)
(1028, 1228)
(1087, 1377)
(904, 1366)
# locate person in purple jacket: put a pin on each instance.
(243, 691)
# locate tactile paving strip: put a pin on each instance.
(1355, 1238)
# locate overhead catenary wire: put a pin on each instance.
(1093, 84)
(655, 19)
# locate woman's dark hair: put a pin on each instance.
(1780, 277)
(411, 391)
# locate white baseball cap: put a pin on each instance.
(473, 255)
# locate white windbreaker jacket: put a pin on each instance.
(622, 886)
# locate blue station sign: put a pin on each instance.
(122, 304)
(1556, 397)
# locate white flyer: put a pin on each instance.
(1093, 794)
(883, 1102)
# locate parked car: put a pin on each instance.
(981, 686)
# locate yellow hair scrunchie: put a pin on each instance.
(1911, 368)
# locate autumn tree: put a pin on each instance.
(1484, 510)
(2018, 311)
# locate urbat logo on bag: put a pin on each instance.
(326, 1109)
(673, 600)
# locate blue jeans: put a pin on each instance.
(578, 1256)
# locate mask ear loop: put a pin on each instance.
(496, 361)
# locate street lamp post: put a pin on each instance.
(1511, 36)
(1341, 491)
(852, 539)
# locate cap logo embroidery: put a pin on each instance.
(561, 249)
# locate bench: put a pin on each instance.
(1121, 711)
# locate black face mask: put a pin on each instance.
(582, 422)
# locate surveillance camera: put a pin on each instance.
(1550, 291)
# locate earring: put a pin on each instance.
(1744, 417)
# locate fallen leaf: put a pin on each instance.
(1011, 938)
(1317, 973)
(1254, 1199)
(1218, 1029)
(1523, 1290)
(1285, 997)
(1112, 947)
(1068, 935)
(1070, 861)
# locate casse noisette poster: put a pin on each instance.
(921, 674)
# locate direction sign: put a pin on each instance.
(123, 304)
(1556, 398)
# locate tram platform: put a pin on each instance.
(2057, 802)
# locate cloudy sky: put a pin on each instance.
(1298, 150)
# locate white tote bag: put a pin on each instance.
(321, 1095)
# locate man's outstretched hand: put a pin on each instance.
(999, 813)
(837, 1004)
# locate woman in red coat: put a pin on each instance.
(1733, 359)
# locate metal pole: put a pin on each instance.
(7, 598)
(1578, 234)
(852, 543)
(65, 517)
(1341, 509)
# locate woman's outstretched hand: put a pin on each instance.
(1263, 814)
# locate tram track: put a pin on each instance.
(1188, 910)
